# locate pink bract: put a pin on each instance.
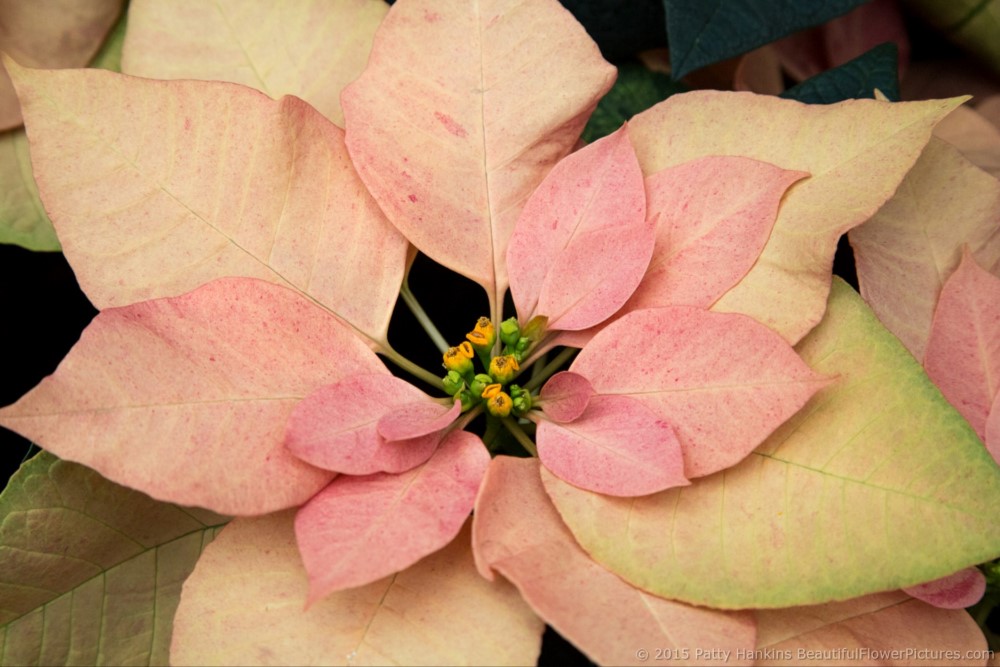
(583, 242)
(617, 446)
(360, 529)
(958, 591)
(963, 350)
(565, 396)
(338, 427)
(689, 366)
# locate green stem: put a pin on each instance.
(490, 436)
(463, 421)
(536, 368)
(542, 347)
(411, 368)
(520, 436)
(550, 368)
(32, 448)
(422, 317)
(496, 306)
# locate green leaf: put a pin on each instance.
(636, 89)
(702, 32)
(855, 79)
(877, 483)
(972, 24)
(90, 572)
(110, 55)
(22, 219)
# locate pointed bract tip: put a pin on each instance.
(18, 73)
(952, 103)
(11, 65)
(312, 598)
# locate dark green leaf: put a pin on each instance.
(702, 32)
(621, 28)
(858, 78)
(636, 89)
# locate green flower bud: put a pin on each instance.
(479, 383)
(453, 383)
(510, 331)
(467, 399)
(520, 350)
(521, 400)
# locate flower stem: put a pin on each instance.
(496, 316)
(520, 436)
(490, 436)
(411, 368)
(463, 421)
(550, 368)
(538, 364)
(422, 317)
(541, 348)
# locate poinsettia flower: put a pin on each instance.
(581, 254)
(216, 408)
(262, 390)
(619, 444)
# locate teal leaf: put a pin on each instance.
(636, 89)
(855, 79)
(701, 32)
(621, 28)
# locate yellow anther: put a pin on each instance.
(503, 368)
(483, 335)
(492, 390)
(459, 359)
(478, 338)
(499, 405)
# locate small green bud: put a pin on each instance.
(510, 331)
(479, 383)
(520, 350)
(453, 382)
(521, 400)
(467, 399)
